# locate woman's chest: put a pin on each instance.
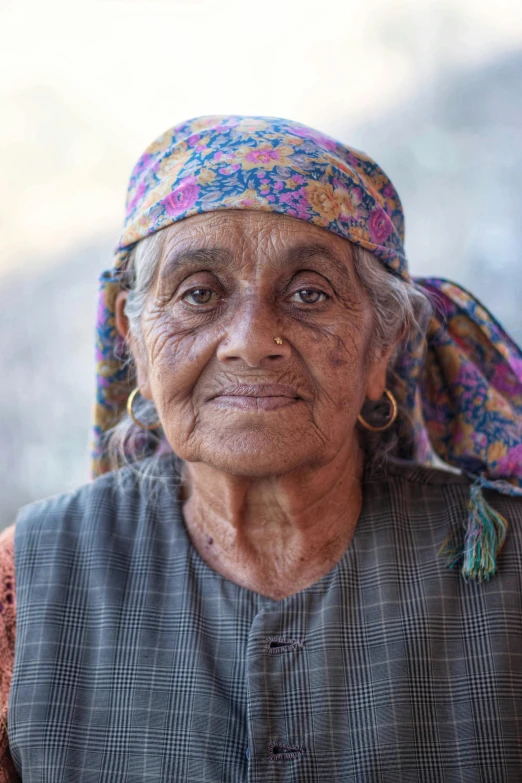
(147, 666)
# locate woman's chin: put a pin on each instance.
(253, 453)
(254, 468)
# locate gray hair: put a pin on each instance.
(401, 312)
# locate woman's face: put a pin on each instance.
(226, 393)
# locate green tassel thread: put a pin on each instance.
(485, 535)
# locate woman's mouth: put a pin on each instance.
(256, 397)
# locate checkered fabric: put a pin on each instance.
(137, 662)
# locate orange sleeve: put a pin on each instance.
(8, 772)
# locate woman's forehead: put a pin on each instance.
(249, 229)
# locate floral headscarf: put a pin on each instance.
(463, 389)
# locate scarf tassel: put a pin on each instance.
(484, 538)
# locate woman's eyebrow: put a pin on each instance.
(306, 252)
(201, 255)
(215, 257)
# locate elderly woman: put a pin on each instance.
(258, 587)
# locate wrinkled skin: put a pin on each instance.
(262, 463)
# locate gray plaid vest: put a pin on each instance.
(136, 662)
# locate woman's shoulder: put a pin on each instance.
(415, 473)
(412, 478)
(106, 487)
(116, 506)
(444, 486)
(119, 493)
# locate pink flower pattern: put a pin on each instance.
(182, 197)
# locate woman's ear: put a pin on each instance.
(123, 327)
(122, 322)
(377, 372)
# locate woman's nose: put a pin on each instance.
(251, 337)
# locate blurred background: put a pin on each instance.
(431, 89)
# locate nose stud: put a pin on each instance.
(278, 340)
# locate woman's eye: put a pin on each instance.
(199, 296)
(309, 296)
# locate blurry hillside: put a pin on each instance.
(46, 394)
(455, 154)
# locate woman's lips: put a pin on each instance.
(259, 397)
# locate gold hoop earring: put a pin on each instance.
(130, 402)
(393, 415)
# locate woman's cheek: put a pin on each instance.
(162, 333)
(337, 364)
(178, 358)
(341, 343)
(338, 356)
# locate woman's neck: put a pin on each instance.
(274, 535)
